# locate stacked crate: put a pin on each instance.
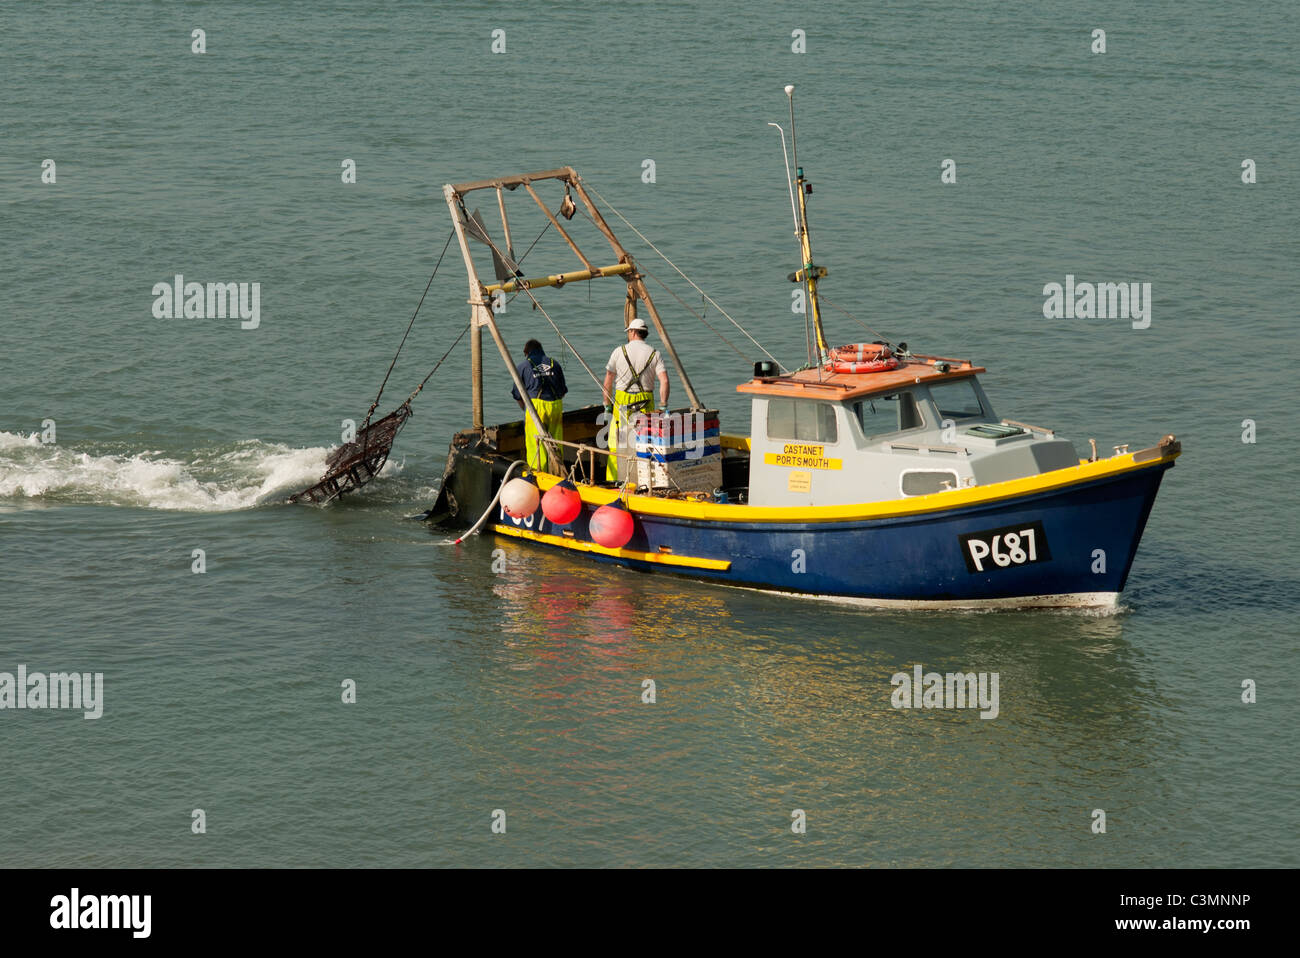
(679, 450)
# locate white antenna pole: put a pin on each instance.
(794, 143)
(809, 273)
(801, 230)
(789, 181)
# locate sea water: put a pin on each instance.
(289, 685)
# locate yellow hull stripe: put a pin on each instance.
(1085, 471)
(660, 558)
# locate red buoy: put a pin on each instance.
(611, 526)
(562, 503)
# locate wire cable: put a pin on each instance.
(696, 286)
(371, 411)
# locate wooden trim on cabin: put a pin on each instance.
(812, 384)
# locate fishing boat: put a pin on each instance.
(874, 474)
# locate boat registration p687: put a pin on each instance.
(1005, 547)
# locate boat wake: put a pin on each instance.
(223, 478)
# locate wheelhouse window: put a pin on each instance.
(881, 415)
(801, 419)
(957, 399)
(924, 482)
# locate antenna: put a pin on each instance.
(789, 180)
(794, 143)
(798, 236)
(810, 273)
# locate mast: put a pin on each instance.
(477, 305)
(480, 316)
(810, 273)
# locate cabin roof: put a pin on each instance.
(819, 384)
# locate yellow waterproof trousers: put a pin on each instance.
(626, 405)
(551, 413)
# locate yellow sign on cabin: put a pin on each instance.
(803, 456)
(799, 482)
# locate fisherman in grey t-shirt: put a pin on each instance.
(629, 389)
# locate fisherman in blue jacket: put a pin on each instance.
(543, 380)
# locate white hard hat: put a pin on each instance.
(638, 323)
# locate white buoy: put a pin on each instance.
(519, 498)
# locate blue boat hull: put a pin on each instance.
(1069, 546)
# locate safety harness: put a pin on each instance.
(636, 382)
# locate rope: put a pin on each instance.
(576, 355)
(440, 361)
(416, 392)
(521, 259)
(534, 243)
(370, 412)
(698, 316)
(665, 258)
(529, 293)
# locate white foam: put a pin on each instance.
(9, 440)
(214, 481)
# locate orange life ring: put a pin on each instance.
(859, 353)
(871, 366)
(861, 358)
